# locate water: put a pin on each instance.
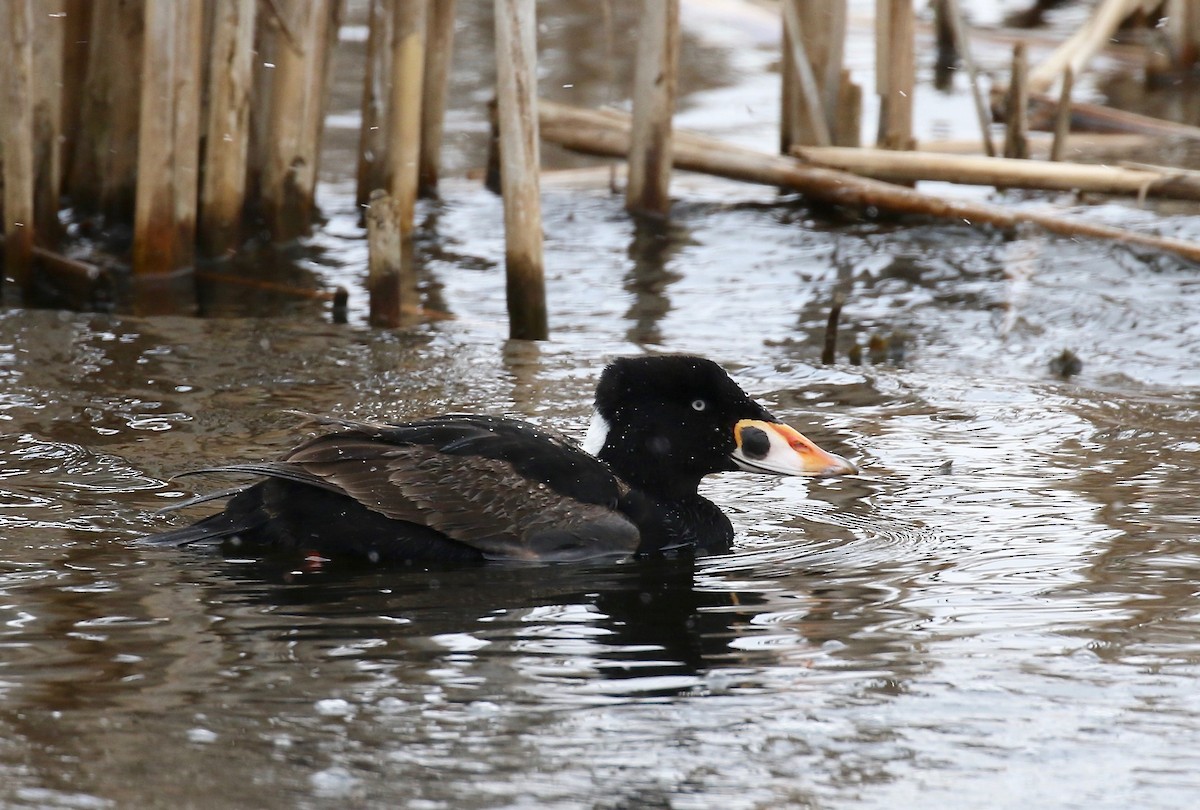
(1002, 610)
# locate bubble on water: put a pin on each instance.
(201, 735)
(334, 707)
(333, 782)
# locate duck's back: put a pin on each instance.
(452, 489)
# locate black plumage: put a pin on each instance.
(461, 488)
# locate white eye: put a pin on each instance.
(699, 404)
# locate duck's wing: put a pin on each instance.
(497, 485)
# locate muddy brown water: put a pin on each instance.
(1002, 610)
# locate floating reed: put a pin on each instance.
(607, 133)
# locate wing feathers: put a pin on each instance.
(497, 485)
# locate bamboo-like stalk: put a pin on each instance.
(516, 83)
(227, 136)
(812, 125)
(103, 172)
(1062, 116)
(404, 109)
(607, 133)
(18, 143)
(76, 284)
(655, 80)
(1183, 33)
(438, 52)
(385, 268)
(169, 136)
(1098, 118)
(910, 167)
(847, 124)
(962, 43)
(372, 140)
(296, 115)
(895, 72)
(47, 85)
(1077, 51)
(1016, 125)
(78, 25)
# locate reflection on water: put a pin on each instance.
(1001, 610)
(1010, 582)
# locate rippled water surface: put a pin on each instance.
(1002, 610)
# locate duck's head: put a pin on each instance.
(662, 423)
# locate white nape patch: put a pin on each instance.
(596, 435)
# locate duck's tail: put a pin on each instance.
(243, 514)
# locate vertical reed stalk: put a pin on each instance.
(227, 128)
(1183, 33)
(48, 33)
(78, 25)
(404, 109)
(297, 114)
(813, 31)
(438, 52)
(372, 139)
(1062, 116)
(516, 89)
(384, 260)
(958, 28)
(169, 137)
(895, 72)
(16, 74)
(103, 175)
(1016, 130)
(655, 80)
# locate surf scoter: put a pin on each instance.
(469, 488)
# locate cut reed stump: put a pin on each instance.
(48, 32)
(385, 265)
(18, 148)
(1016, 118)
(168, 157)
(227, 128)
(607, 133)
(439, 47)
(102, 177)
(1062, 116)
(372, 140)
(517, 110)
(76, 35)
(805, 118)
(655, 79)
(404, 109)
(305, 31)
(1183, 33)
(895, 72)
